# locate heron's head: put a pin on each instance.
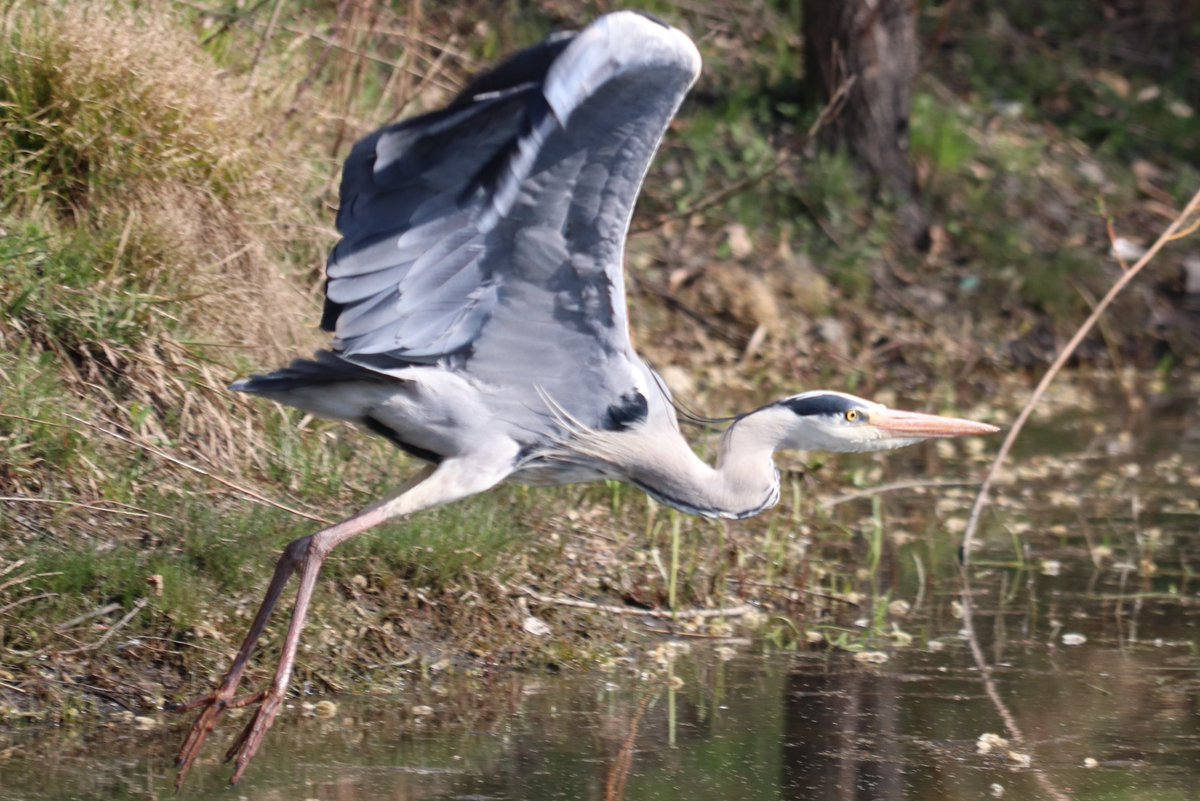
(840, 423)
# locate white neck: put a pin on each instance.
(743, 483)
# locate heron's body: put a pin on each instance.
(477, 297)
(477, 306)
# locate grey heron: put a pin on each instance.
(477, 305)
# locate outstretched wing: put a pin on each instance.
(488, 237)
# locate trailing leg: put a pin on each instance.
(215, 703)
(452, 480)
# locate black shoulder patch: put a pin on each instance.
(629, 410)
(818, 404)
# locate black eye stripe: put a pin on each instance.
(819, 404)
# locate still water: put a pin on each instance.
(1068, 668)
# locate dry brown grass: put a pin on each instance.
(122, 133)
(142, 136)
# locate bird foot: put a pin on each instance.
(212, 707)
(247, 743)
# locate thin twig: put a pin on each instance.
(246, 491)
(325, 40)
(786, 588)
(249, 493)
(1174, 231)
(468, 61)
(716, 197)
(703, 321)
(262, 43)
(108, 695)
(1186, 232)
(120, 624)
(231, 18)
(916, 557)
(318, 63)
(75, 621)
(782, 157)
(931, 48)
(732, 611)
(26, 600)
(428, 77)
(13, 582)
(80, 505)
(143, 639)
(836, 101)
(896, 486)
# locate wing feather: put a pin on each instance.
(490, 235)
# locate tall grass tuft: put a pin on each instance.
(141, 188)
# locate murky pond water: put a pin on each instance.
(1068, 668)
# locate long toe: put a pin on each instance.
(247, 743)
(201, 728)
(214, 706)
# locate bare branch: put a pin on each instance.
(732, 611)
(1174, 231)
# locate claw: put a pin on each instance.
(214, 706)
(239, 741)
(204, 725)
(247, 743)
(237, 744)
(299, 553)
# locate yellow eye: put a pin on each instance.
(852, 416)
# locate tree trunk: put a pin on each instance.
(873, 42)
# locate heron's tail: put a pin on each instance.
(325, 385)
(325, 367)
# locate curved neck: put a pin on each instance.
(743, 482)
(746, 463)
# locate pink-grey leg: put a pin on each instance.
(452, 480)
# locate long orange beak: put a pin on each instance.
(916, 424)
